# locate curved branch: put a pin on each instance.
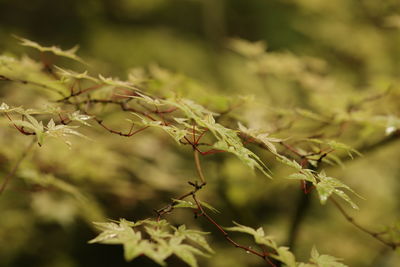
(198, 166)
(350, 219)
(263, 255)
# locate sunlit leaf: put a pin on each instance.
(328, 185)
(54, 49)
(324, 260)
(160, 240)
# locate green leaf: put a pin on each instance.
(261, 137)
(113, 233)
(82, 118)
(176, 133)
(285, 256)
(324, 191)
(61, 131)
(116, 82)
(336, 146)
(196, 236)
(72, 75)
(189, 204)
(258, 235)
(208, 206)
(334, 158)
(134, 248)
(53, 49)
(158, 252)
(324, 260)
(33, 125)
(186, 253)
(227, 139)
(159, 223)
(328, 185)
(184, 204)
(158, 233)
(4, 107)
(288, 162)
(162, 240)
(305, 175)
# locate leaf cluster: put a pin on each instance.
(157, 240)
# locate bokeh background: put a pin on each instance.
(321, 55)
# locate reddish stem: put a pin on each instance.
(226, 235)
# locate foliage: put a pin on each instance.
(104, 146)
(162, 244)
(282, 253)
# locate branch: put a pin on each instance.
(20, 129)
(388, 140)
(129, 134)
(375, 235)
(303, 206)
(73, 94)
(122, 105)
(395, 136)
(200, 211)
(263, 255)
(170, 207)
(198, 166)
(304, 199)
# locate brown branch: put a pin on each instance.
(20, 129)
(170, 207)
(304, 199)
(375, 235)
(73, 94)
(263, 255)
(197, 187)
(198, 167)
(292, 149)
(129, 134)
(387, 140)
(195, 147)
(122, 105)
(395, 136)
(170, 110)
(11, 174)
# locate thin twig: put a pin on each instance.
(203, 213)
(198, 166)
(122, 105)
(362, 228)
(129, 134)
(170, 207)
(73, 94)
(20, 129)
(292, 149)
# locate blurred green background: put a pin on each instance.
(322, 56)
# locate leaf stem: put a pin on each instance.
(226, 235)
(198, 166)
